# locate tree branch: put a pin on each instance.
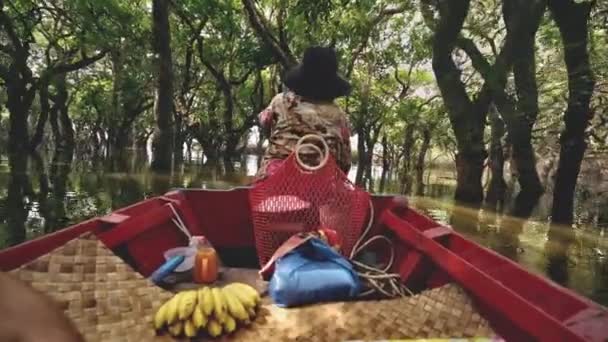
(242, 79)
(285, 57)
(448, 75)
(7, 23)
(385, 13)
(217, 74)
(85, 61)
(281, 25)
(405, 87)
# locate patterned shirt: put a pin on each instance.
(289, 117)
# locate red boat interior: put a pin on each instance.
(519, 305)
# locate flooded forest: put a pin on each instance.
(491, 116)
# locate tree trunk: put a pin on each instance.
(19, 100)
(230, 153)
(121, 141)
(189, 149)
(385, 164)
(178, 153)
(43, 97)
(408, 146)
(54, 118)
(228, 120)
(467, 117)
(16, 210)
(61, 167)
(163, 106)
(522, 116)
(67, 131)
(496, 192)
(361, 157)
(522, 19)
(43, 194)
(572, 20)
(114, 143)
(370, 143)
(424, 147)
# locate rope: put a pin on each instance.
(179, 223)
(378, 280)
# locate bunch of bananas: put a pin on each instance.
(214, 309)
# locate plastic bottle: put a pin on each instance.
(206, 262)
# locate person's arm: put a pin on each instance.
(268, 115)
(265, 117)
(29, 315)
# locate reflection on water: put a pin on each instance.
(40, 195)
(576, 258)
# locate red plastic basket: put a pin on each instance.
(298, 198)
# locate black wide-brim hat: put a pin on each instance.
(317, 76)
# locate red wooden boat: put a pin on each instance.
(519, 305)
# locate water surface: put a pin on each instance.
(49, 194)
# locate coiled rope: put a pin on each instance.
(376, 279)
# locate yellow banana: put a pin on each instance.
(219, 304)
(229, 325)
(242, 297)
(189, 328)
(214, 328)
(161, 316)
(187, 304)
(248, 290)
(176, 328)
(198, 318)
(172, 306)
(205, 300)
(234, 306)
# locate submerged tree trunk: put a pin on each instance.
(496, 191)
(572, 20)
(424, 147)
(61, 167)
(16, 210)
(163, 106)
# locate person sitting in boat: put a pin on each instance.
(308, 107)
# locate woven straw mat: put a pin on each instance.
(100, 293)
(444, 312)
(109, 301)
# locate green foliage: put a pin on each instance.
(384, 47)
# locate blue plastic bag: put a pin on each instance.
(313, 272)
